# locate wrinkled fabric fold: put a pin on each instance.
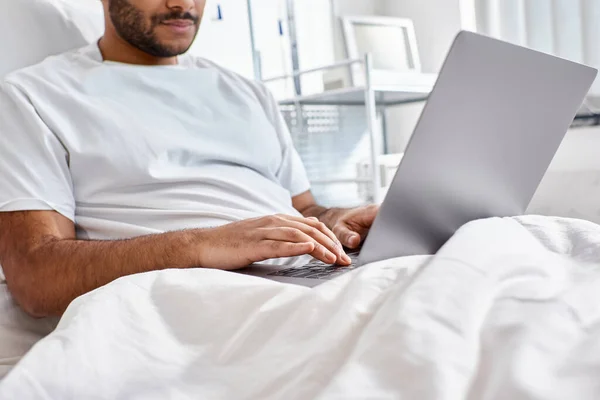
(507, 309)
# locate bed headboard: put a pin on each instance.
(31, 30)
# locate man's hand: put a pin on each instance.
(46, 266)
(351, 226)
(240, 244)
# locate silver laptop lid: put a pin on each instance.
(486, 137)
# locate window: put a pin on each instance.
(566, 28)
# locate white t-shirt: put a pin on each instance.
(126, 150)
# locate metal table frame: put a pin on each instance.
(375, 98)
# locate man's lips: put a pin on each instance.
(179, 23)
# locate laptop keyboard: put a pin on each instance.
(317, 269)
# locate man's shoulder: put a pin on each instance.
(256, 86)
(200, 62)
(62, 63)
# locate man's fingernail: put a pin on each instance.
(346, 259)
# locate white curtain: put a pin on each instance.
(566, 28)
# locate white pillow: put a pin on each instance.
(31, 30)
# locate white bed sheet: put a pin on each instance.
(507, 310)
(18, 331)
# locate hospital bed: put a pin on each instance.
(508, 309)
(31, 31)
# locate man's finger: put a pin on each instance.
(277, 249)
(296, 235)
(310, 224)
(324, 240)
(349, 238)
(315, 223)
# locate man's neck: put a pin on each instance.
(113, 48)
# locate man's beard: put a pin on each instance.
(130, 23)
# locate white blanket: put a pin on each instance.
(508, 309)
(18, 331)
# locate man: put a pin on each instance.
(127, 156)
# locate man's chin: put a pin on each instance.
(175, 48)
(167, 51)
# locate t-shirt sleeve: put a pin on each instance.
(292, 173)
(34, 170)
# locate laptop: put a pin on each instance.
(485, 139)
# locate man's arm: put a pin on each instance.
(46, 267)
(351, 226)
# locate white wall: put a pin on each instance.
(571, 187)
(226, 41)
(316, 45)
(436, 23)
(358, 7)
(342, 8)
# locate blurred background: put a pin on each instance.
(339, 134)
